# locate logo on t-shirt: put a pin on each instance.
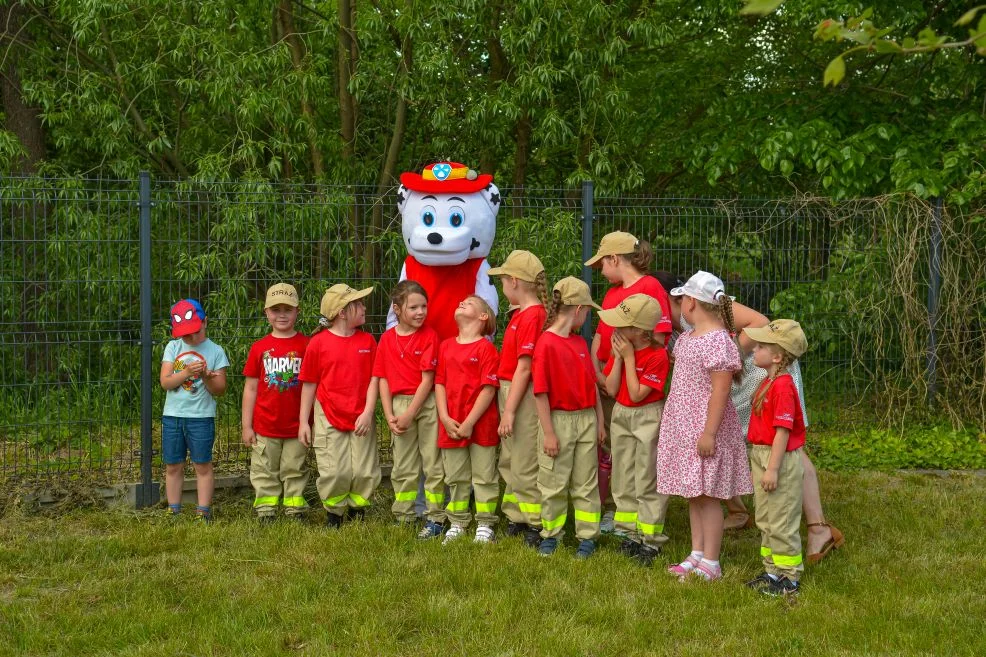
(786, 417)
(183, 360)
(281, 372)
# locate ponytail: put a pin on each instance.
(553, 309)
(641, 257)
(541, 289)
(725, 309)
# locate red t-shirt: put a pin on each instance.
(781, 408)
(464, 369)
(562, 368)
(652, 367)
(342, 368)
(646, 285)
(446, 286)
(402, 358)
(276, 362)
(519, 338)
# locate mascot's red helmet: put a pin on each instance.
(446, 178)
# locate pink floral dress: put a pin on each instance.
(680, 470)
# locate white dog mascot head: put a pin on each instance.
(448, 213)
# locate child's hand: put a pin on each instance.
(364, 422)
(551, 445)
(622, 347)
(194, 369)
(394, 427)
(707, 445)
(451, 428)
(601, 385)
(601, 434)
(465, 430)
(208, 374)
(305, 434)
(769, 481)
(614, 344)
(249, 436)
(404, 421)
(506, 428)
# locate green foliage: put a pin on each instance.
(918, 447)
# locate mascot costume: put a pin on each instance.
(448, 214)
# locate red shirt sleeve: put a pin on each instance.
(784, 401)
(252, 368)
(661, 295)
(539, 367)
(441, 370)
(489, 362)
(528, 331)
(655, 369)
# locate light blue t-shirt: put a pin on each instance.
(192, 398)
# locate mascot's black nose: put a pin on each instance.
(434, 238)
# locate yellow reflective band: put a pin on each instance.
(649, 530)
(406, 496)
(527, 507)
(485, 507)
(333, 501)
(434, 498)
(764, 551)
(462, 505)
(509, 498)
(295, 502)
(359, 500)
(554, 524)
(587, 516)
(781, 560)
(625, 516)
(266, 501)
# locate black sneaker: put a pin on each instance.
(762, 581)
(629, 547)
(332, 521)
(781, 587)
(532, 537)
(517, 528)
(355, 514)
(645, 555)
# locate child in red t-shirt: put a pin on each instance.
(337, 377)
(405, 365)
(777, 436)
(570, 421)
(525, 286)
(271, 400)
(635, 374)
(465, 386)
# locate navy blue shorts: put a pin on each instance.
(182, 436)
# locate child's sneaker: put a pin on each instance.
(266, 519)
(707, 572)
(517, 528)
(608, 523)
(454, 532)
(298, 518)
(681, 570)
(586, 547)
(332, 521)
(645, 555)
(353, 513)
(203, 516)
(781, 587)
(430, 530)
(761, 582)
(532, 537)
(484, 534)
(548, 546)
(629, 547)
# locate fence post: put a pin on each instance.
(148, 493)
(934, 289)
(587, 198)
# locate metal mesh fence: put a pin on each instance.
(70, 275)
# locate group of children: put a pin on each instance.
(462, 416)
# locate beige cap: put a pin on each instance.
(281, 293)
(519, 264)
(574, 292)
(338, 297)
(637, 310)
(785, 333)
(617, 243)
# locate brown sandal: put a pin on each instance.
(737, 526)
(834, 543)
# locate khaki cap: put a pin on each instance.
(519, 264)
(785, 333)
(617, 243)
(281, 293)
(637, 310)
(338, 297)
(574, 292)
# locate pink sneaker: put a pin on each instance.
(707, 572)
(681, 570)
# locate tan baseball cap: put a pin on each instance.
(785, 333)
(617, 243)
(281, 293)
(519, 264)
(338, 297)
(574, 292)
(637, 310)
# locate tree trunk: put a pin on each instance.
(285, 16)
(22, 119)
(346, 69)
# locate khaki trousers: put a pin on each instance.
(278, 474)
(416, 451)
(572, 473)
(471, 468)
(519, 461)
(778, 513)
(348, 466)
(640, 509)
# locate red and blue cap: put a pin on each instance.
(186, 317)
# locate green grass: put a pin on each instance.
(909, 581)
